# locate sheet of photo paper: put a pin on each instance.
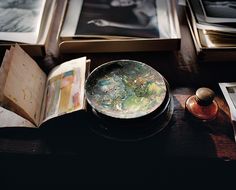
(218, 11)
(103, 19)
(20, 20)
(201, 23)
(229, 92)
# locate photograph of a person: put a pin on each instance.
(219, 11)
(20, 17)
(127, 18)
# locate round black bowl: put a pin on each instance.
(130, 99)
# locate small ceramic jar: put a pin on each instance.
(202, 105)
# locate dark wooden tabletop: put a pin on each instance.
(72, 152)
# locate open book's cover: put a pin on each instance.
(79, 33)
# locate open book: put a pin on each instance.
(29, 97)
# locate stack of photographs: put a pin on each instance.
(213, 27)
(120, 25)
(26, 22)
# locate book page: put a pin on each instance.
(3, 73)
(11, 119)
(25, 85)
(65, 89)
(71, 18)
(46, 21)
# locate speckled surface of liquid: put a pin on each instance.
(125, 89)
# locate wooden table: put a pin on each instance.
(70, 152)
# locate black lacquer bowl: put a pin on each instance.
(130, 99)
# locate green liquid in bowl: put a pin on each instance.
(125, 89)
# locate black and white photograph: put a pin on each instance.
(229, 92)
(232, 94)
(20, 20)
(128, 18)
(216, 11)
(198, 16)
(117, 19)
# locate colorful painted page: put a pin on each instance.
(65, 89)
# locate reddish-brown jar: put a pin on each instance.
(202, 105)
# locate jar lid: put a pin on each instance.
(204, 96)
